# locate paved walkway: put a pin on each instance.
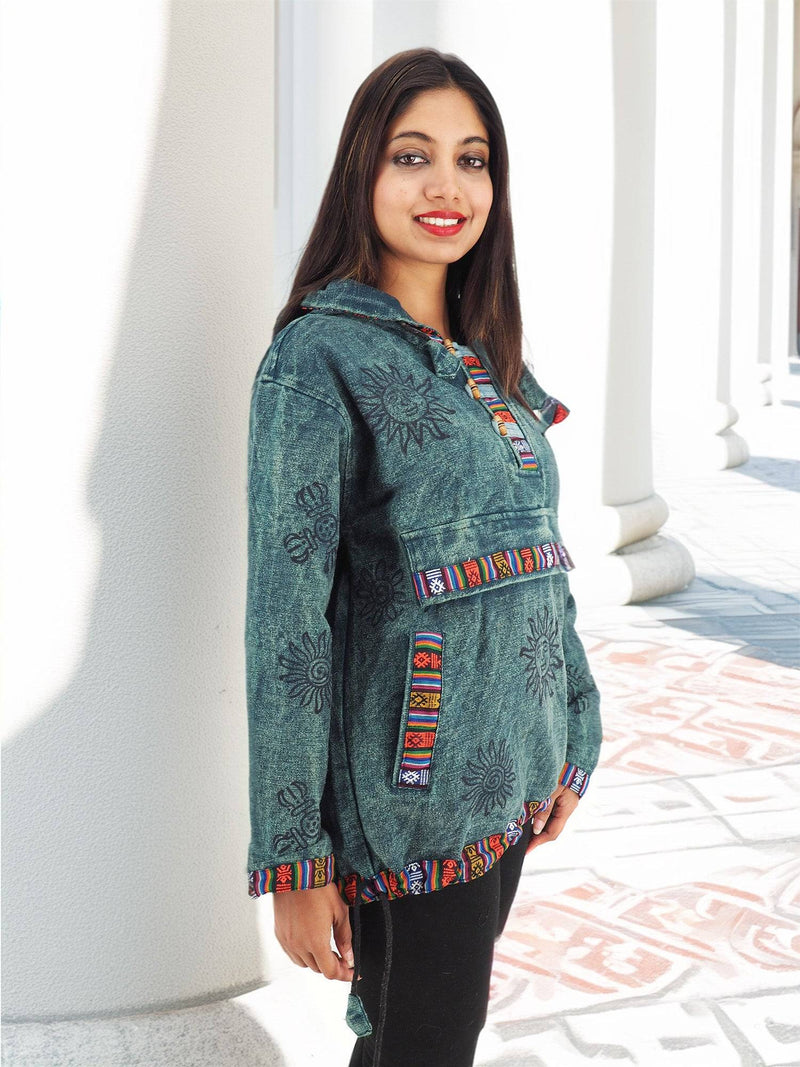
(664, 927)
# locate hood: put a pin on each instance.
(344, 296)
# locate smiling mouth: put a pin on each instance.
(442, 225)
(439, 220)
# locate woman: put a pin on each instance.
(421, 712)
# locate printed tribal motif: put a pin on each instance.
(543, 652)
(402, 407)
(577, 697)
(489, 778)
(497, 565)
(426, 876)
(518, 441)
(301, 874)
(424, 703)
(301, 807)
(308, 670)
(323, 531)
(378, 591)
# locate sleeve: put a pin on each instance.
(584, 726)
(297, 456)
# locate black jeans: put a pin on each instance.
(442, 952)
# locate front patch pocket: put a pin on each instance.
(423, 705)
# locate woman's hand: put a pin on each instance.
(303, 921)
(548, 824)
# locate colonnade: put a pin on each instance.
(650, 167)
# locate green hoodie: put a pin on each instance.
(416, 688)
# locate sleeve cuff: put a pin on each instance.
(574, 778)
(300, 874)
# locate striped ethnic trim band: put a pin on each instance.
(497, 406)
(301, 874)
(423, 876)
(492, 568)
(574, 778)
(426, 876)
(424, 702)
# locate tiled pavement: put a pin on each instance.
(664, 925)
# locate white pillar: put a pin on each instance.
(694, 232)
(575, 85)
(778, 64)
(137, 224)
(324, 51)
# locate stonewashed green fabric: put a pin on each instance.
(416, 688)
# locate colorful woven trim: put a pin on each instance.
(424, 702)
(575, 778)
(301, 874)
(497, 406)
(553, 411)
(502, 564)
(426, 876)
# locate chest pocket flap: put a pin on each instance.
(479, 552)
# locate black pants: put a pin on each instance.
(442, 951)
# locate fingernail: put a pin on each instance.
(350, 959)
(537, 827)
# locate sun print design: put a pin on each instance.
(377, 592)
(542, 652)
(308, 671)
(401, 407)
(489, 779)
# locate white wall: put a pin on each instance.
(137, 214)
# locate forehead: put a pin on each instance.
(443, 114)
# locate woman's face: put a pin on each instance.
(432, 191)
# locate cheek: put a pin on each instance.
(485, 199)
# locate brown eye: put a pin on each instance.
(407, 159)
(474, 162)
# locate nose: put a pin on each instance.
(443, 183)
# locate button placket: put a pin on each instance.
(480, 386)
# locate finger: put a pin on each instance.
(310, 961)
(343, 937)
(294, 957)
(332, 966)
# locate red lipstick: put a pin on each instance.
(452, 222)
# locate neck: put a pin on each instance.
(420, 292)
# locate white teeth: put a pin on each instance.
(439, 222)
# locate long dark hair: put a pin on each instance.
(481, 288)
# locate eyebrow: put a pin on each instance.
(424, 137)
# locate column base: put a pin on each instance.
(210, 1035)
(640, 571)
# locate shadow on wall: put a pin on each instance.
(125, 799)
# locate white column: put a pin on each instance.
(324, 51)
(137, 222)
(694, 232)
(575, 85)
(778, 64)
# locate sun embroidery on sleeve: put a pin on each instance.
(489, 779)
(308, 670)
(542, 652)
(402, 408)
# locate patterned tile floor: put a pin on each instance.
(664, 926)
